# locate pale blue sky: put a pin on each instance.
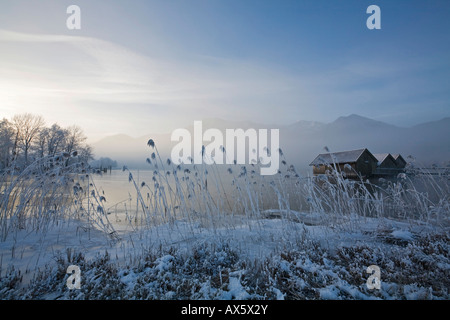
(138, 67)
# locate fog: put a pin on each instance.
(427, 143)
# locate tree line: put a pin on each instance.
(25, 138)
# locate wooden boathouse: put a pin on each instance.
(358, 163)
(353, 163)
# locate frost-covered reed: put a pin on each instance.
(47, 191)
(60, 187)
(229, 195)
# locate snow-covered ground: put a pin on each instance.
(275, 257)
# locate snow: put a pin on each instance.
(402, 235)
(235, 288)
(329, 293)
(320, 261)
(31, 250)
(164, 263)
(128, 278)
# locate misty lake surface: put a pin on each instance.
(118, 190)
(206, 192)
(225, 190)
(121, 194)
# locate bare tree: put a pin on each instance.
(6, 142)
(27, 128)
(27, 133)
(85, 153)
(56, 139)
(41, 141)
(74, 139)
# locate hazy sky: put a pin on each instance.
(140, 67)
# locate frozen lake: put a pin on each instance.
(205, 193)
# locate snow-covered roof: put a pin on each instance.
(397, 156)
(338, 157)
(381, 156)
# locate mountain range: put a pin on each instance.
(301, 141)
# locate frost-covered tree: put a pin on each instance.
(104, 162)
(55, 139)
(85, 153)
(27, 128)
(74, 139)
(26, 138)
(6, 142)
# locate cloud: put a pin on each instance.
(105, 87)
(12, 36)
(41, 71)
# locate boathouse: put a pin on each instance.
(353, 163)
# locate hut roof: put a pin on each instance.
(339, 157)
(382, 156)
(397, 156)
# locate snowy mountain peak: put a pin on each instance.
(357, 120)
